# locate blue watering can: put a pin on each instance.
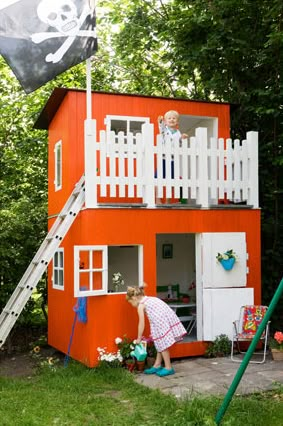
(139, 352)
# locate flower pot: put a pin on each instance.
(150, 360)
(277, 355)
(130, 365)
(228, 263)
(140, 365)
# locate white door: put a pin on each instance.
(220, 293)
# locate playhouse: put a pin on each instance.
(172, 246)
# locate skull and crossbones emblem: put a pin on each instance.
(62, 15)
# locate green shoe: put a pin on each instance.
(164, 372)
(152, 370)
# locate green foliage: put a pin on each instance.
(125, 346)
(221, 346)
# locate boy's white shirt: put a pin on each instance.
(167, 133)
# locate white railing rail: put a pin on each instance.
(203, 171)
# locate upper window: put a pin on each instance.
(107, 269)
(58, 270)
(58, 165)
(126, 124)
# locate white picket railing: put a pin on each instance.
(119, 168)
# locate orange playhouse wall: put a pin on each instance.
(110, 316)
(68, 125)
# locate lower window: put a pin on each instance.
(107, 269)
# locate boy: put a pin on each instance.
(168, 128)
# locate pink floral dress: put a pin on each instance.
(165, 327)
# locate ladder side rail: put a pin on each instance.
(39, 268)
(53, 245)
(35, 270)
(60, 218)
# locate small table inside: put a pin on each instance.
(190, 318)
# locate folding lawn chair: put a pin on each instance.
(245, 329)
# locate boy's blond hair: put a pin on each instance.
(172, 111)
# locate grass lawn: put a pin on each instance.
(77, 395)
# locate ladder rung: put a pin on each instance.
(77, 190)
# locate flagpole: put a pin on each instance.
(88, 76)
(88, 89)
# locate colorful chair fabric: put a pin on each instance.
(246, 327)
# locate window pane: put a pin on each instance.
(84, 280)
(58, 165)
(119, 126)
(97, 280)
(135, 126)
(97, 259)
(84, 259)
(61, 278)
(61, 259)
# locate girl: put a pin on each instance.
(165, 327)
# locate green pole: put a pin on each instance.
(249, 354)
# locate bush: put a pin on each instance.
(221, 346)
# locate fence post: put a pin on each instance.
(90, 163)
(252, 144)
(201, 137)
(148, 169)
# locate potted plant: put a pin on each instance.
(227, 259)
(125, 346)
(117, 281)
(276, 346)
(130, 364)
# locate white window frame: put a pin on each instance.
(103, 270)
(57, 267)
(58, 165)
(128, 119)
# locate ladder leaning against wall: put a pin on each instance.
(39, 263)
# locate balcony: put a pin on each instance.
(121, 170)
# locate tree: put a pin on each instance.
(226, 50)
(23, 176)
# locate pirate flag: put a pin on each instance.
(40, 39)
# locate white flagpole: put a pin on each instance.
(88, 89)
(88, 77)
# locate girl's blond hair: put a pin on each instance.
(134, 292)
